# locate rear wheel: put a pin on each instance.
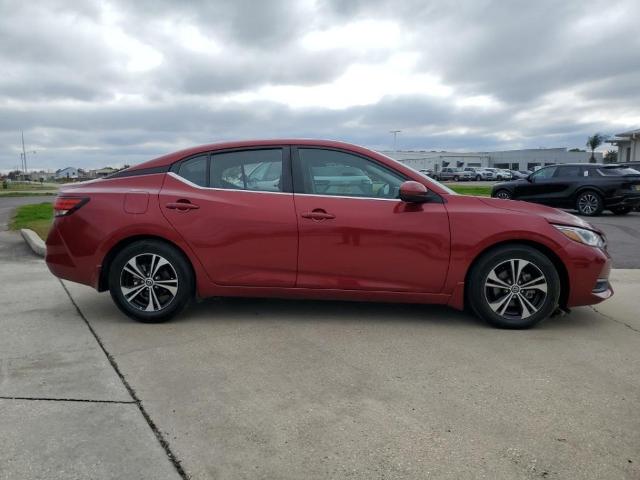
(504, 194)
(589, 203)
(478, 178)
(620, 210)
(513, 287)
(150, 281)
(456, 178)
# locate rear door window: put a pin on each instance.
(257, 170)
(568, 171)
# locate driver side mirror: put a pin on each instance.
(413, 192)
(530, 178)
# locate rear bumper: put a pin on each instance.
(78, 266)
(632, 200)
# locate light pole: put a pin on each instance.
(395, 138)
(23, 155)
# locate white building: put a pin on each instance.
(628, 144)
(526, 159)
(69, 172)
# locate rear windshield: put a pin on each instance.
(617, 171)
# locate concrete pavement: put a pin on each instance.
(245, 388)
(64, 411)
(278, 389)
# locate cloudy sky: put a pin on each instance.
(96, 83)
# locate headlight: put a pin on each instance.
(582, 235)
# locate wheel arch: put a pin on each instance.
(561, 268)
(103, 280)
(584, 188)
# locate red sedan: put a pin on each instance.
(323, 220)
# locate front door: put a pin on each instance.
(355, 234)
(235, 210)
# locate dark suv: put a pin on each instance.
(589, 188)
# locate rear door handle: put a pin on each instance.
(318, 214)
(182, 205)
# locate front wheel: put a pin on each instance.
(478, 178)
(589, 203)
(150, 281)
(621, 210)
(456, 178)
(513, 287)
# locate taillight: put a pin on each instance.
(67, 205)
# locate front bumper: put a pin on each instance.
(588, 270)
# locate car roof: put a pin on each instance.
(172, 157)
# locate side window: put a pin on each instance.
(195, 170)
(568, 171)
(259, 170)
(543, 174)
(329, 172)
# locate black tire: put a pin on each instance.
(456, 178)
(485, 299)
(620, 210)
(478, 178)
(589, 203)
(503, 194)
(170, 295)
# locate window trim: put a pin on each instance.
(298, 174)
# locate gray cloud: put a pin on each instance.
(74, 76)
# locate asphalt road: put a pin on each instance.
(242, 388)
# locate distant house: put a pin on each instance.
(69, 172)
(628, 144)
(102, 172)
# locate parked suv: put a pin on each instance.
(455, 174)
(589, 188)
(480, 173)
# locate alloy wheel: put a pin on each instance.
(515, 289)
(148, 282)
(588, 203)
(503, 194)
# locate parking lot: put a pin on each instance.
(247, 388)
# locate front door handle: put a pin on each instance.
(182, 205)
(318, 214)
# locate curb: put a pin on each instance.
(34, 241)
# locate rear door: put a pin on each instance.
(355, 234)
(235, 210)
(564, 182)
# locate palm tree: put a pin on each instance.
(593, 142)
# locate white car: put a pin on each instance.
(500, 174)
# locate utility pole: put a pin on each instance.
(24, 153)
(395, 138)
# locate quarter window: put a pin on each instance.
(330, 172)
(195, 170)
(259, 170)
